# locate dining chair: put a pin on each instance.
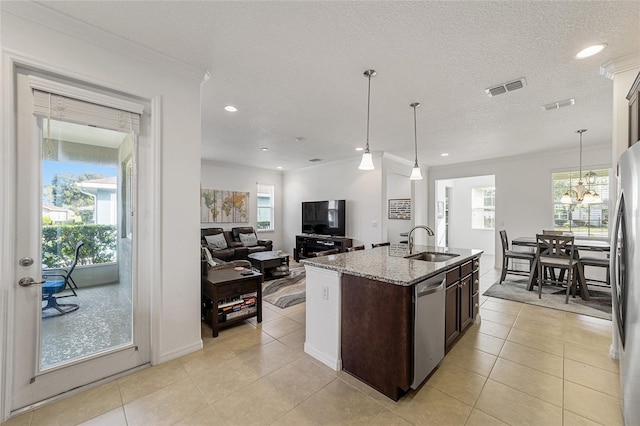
(558, 252)
(597, 262)
(380, 244)
(511, 255)
(355, 248)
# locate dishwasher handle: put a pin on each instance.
(430, 286)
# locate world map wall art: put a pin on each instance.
(220, 206)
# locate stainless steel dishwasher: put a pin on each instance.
(428, 349)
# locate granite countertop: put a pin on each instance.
(388, 264)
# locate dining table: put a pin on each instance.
(579, 243)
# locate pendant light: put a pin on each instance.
(367, 158)
(415, 173)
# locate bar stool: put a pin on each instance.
(510, 254)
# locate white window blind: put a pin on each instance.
(75, 105)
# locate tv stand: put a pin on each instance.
(310, 243)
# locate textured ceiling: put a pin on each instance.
(294, 69)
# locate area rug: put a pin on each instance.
(286, 291)
(599, 304)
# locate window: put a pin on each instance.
(586, 220)
(265, 207)
(483, 208)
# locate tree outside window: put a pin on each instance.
(586, 220)
(265, 207)
(483, 208)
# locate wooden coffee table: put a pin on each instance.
(268, 262)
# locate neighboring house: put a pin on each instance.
(56, 214)
(104, 192)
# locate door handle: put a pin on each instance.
(28, 281)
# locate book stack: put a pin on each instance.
(244, 305)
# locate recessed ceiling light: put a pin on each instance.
(359, 148)
(444, 154)
(590, 51)
(265, 149)
(279, 167)
(230, 108)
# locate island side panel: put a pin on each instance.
(322, 330)
(377, 333)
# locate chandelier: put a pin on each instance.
(581, 193)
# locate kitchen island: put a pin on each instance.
(361, 309)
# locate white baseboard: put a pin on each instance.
(334, 364)
(177, 353)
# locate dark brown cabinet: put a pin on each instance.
(377, 334)
(377, 326)
(451, 328)
(465, 302)
(452, 302)
(462, 299)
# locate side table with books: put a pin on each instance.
(230, 296)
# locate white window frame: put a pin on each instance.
(265, 189)
(482, 208)
(591, 213)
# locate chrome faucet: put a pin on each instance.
(426, 228)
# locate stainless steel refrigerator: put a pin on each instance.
(625, 280)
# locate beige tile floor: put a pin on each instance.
(520, 365)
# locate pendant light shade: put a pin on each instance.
(367, 158)
(416, 174)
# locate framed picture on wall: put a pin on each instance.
(440, 209)
(400, 208)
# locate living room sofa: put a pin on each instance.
(236, 244)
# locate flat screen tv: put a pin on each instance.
(324, 217)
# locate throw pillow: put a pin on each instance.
(248, 240)
(217, 241)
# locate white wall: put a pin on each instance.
(237, 178)
(523, 186)
(461, 234)
(398, 186)
(339, 180)
(171, 252)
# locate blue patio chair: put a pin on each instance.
(58, 280)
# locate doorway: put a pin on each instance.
(465, 213)
(76, 193)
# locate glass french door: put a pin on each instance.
(76, 309)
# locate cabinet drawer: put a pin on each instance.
(466, 268)
(237, 288)
(453, 275)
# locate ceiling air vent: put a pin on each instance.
(506, 87)
(315, 160)
(559, 104)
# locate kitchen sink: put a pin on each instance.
(431, 256)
